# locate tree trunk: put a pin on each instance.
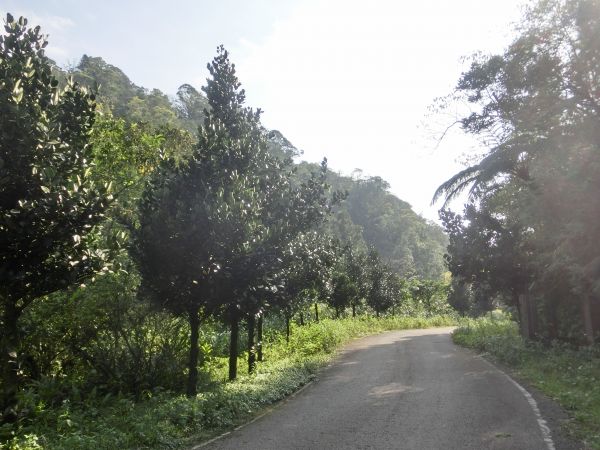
(377, 314)
(586, 313)
(233, 343)
(553, 321)
(9, 344)
(353, 310)
(301, 319)
(524, 316)
(259, 338)
(287, 328)
(316, 312)
(528, 316)
(251, 347)
(192, 382)
(516, 301)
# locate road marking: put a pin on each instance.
(545, 430)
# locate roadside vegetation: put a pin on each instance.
(163, 419)
(566, 373)
(528, 237)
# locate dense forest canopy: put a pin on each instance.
(529, 235)
(371, 216)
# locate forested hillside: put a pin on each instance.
(370, 216)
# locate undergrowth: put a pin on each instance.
(166, 420)
(565, 373)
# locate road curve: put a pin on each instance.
(400, 390)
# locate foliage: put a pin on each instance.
(50, 205)
(429, 297)
(213, 230)
(122, 97)
(498, 336)
(344, 293)
(469, 299)
(102, 338)
(370, 216)
(164, 420)
(531, 226)
(307, 268)
(380, 292)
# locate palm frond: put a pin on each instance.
(500, 161)
(451, 188)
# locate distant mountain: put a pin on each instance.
(370, 216)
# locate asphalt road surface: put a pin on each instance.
(403, 390)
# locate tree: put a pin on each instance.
(172, 251)
(266, 208)
(407, 242)
(115, 89)
(212, 229)
(430, 295)
(535, 107)
(488, 248)
(290, 214)
(343, 293)
(50, 206)
(307, 263)
(190, 106)
(198, 217)
(124, 99)
(350, 283)
(460, 296)
(379, 297)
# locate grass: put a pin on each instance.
(169, 421)
(568, 375)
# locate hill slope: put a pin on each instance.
(370, 216)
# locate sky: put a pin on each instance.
(353, 81)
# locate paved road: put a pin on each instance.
(400, 390)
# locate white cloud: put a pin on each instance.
(56, 27)
(55, 23)
(48, 22)
(352, 80)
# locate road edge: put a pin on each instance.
(542, 423)
(271, 408)
(268, 410)
(551, 411)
